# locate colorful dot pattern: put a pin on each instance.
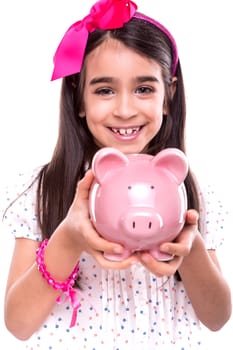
(121, 310)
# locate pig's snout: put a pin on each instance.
(141, 222)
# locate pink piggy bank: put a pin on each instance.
(138, 200)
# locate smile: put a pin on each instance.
(126, 131)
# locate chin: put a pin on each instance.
(129, 149)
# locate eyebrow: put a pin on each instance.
(101, 80)
(143, 79)
(139, 79)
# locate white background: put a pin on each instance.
(29, 34)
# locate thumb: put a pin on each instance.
(84, 185)
(192, 217)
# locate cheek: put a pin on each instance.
(156, 112)
(157, 123)
(156, 119)
(94, 118)
(96, 111)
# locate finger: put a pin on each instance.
(114, 265)
(183, 243)
(160, 268)
(98, 243)
(105, 246)
(191, 217)
(84, 185)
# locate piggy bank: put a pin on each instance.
(138, 200)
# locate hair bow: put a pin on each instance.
(105, 14)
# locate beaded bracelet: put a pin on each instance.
(67, 286)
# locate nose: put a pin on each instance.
(125, 106)
(141, 223)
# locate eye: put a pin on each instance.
(145, 90)
(104, 91)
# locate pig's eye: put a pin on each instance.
(129, 187)
(152, 187)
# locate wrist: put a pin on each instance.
(70, 236)
(61, 254)
(66, 286)
(197, 253)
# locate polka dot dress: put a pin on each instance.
(120, 310)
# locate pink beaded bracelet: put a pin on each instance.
(66, 287)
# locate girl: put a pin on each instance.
(122, 87)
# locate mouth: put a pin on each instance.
(128, 131)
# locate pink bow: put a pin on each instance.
(70, 295)
(105, 14)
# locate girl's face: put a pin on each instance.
(123, 97)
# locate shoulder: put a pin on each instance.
(19, 209)
(20, 182)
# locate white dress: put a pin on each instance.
(120, 310)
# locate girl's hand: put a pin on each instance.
(180, 248)
(78, 225)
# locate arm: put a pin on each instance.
(205, 285)
(29, 298)
(199, 269)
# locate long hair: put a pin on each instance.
(75, 146)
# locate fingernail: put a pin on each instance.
(117, 249)
(164, 248)
(145, 258)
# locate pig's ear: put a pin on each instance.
(107, 159)
(174, 161)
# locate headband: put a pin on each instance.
(105, 15)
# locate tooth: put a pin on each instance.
(128, 131)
